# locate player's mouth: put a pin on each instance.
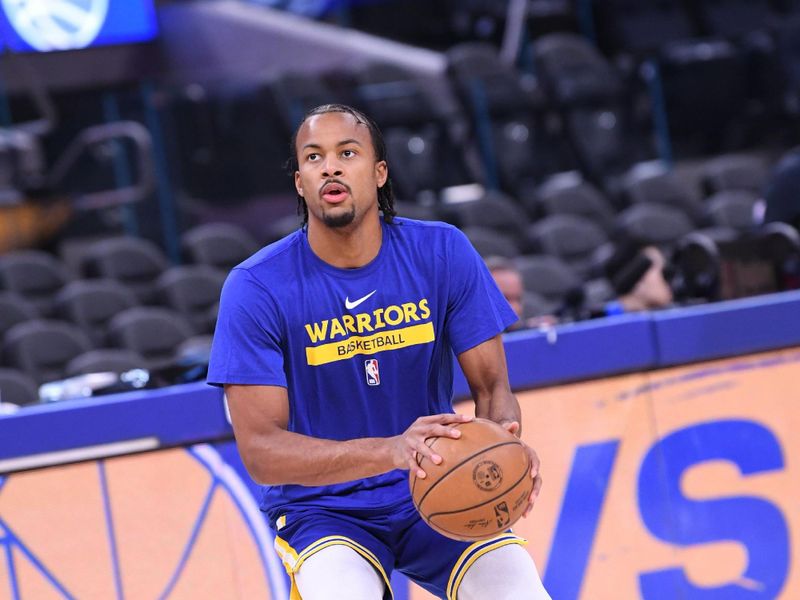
(334, 192)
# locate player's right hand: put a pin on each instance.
(407, 447)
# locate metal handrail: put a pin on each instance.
(101, 134)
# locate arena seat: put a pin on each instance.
(34, 275)
(573, 196)
(219, 245)
(153, 332)
(115, 360)
(571, 238)
(91, 303)
(519, 141)
(733, 208)
(42, 348)
(656, 186)
(17, 388)
(548, 276)
(494, 210)
(488, 242)
(192, 290)
(134, 262)
(425, 156)
(595, 104)
(735, 172)
(705, 83)
(573, 71)
(654, 224)
(14, 309)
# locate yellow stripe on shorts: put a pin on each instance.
(292, 561)
(473, 553)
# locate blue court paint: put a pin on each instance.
(13, 541)
(112, 538)
(190, 544)
(580, 515)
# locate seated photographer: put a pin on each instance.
(638, 276)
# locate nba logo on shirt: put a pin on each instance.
(373, 374)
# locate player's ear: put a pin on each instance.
(381, 172)
(298, 184)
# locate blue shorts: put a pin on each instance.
(395, 538)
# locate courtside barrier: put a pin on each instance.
(667, 443)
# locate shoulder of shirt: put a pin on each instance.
(274, 253)
(423, 227)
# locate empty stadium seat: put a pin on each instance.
(34, 275)
(17, 388)
(192, 290)
(654, 224)
(573, 70)
(493, 211)
(595, 104)
(519, 144)
(733, 208)
(663, 187)
(705, 84)
(115, 360)
(294, 94)
(573, 196)
(488, 242)
(42, 348)
(134, 262)
(153, 332)
(14, 309)
(220, 245)
(548, 276)
(419, 212)
(571, 238)
(735, 172)
(91, 303)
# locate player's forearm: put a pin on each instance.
(284, 457)
(499, 405)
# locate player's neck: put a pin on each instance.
(347, 247)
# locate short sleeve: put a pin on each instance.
(476, 309)
(247, 346)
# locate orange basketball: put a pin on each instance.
(480, 488)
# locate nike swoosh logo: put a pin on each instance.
(351, 305)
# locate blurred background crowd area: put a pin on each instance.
(604, 156)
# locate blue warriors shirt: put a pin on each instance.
(362, 352)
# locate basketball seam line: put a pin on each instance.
(466, 460)
(450, 512)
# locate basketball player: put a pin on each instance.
(335, 347)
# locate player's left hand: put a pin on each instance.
(513, 427)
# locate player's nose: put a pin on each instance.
(331, 167)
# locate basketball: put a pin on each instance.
(480, 488)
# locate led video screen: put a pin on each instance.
(53, 25)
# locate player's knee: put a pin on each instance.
(506, 573)
(338, 573)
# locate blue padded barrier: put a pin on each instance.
(727, 328)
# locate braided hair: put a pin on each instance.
(385, 193)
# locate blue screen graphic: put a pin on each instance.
(52, 25)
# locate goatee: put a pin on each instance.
(336, 221)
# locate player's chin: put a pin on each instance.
(339, 216)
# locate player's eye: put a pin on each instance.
(312, 156)
(348, 153)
